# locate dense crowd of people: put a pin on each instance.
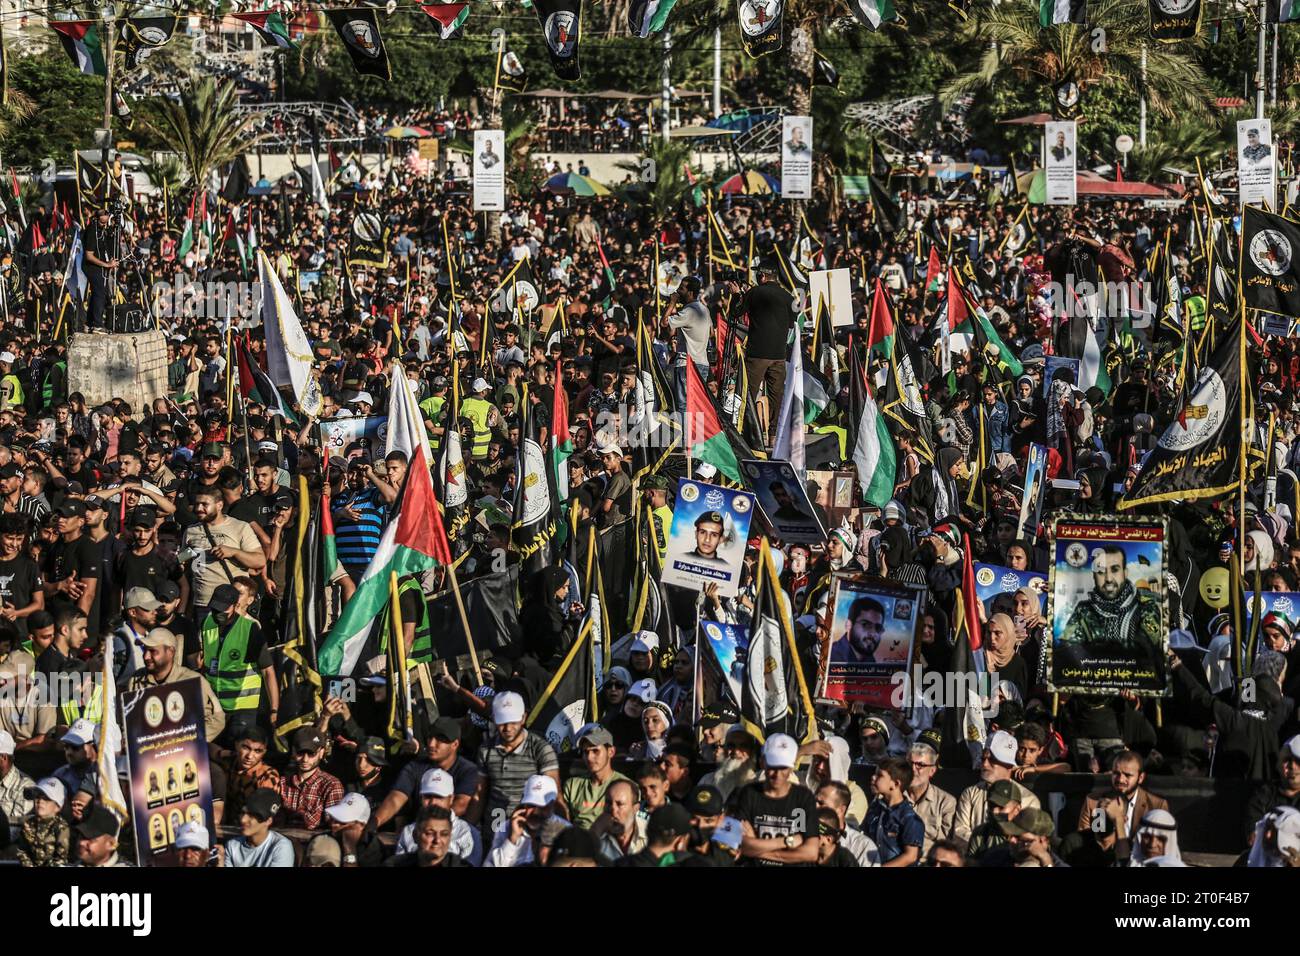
(162, 538)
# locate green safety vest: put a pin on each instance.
(477, 411)
(1195, 305)
(94, 711)
(236, 681)
(48, 397)
(661, 523)
(422, 647)
(432, 407)
(18, 397)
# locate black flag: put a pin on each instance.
(1175, 19)
(235, 189)
(142, 35)
(534, 519)
(774, 697)
(567, 704)
(561, 22)
(1199, 454)
(760, 25)
(1270, 262)
(358, 28)
(1221, 289)
(825, 72)
(368, 244)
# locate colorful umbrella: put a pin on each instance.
(578, 185)
(407, 132)
(751, 183)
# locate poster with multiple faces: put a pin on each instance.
(1107, 608)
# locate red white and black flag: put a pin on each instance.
(358, 28)
(561, 22)
(761, 23)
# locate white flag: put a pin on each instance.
(288, 353)
(790, 435)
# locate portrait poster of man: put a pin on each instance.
(1280, 606)
(1031, 497)
(873, 627)
(489, 170)
(1108, 611)
(796, 157)
(707, 541)
(1061, 161)
(1051, 364)
(1256, 164)
(784, 502)
(992, 580)
(729, 644)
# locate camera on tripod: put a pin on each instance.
(118, 207)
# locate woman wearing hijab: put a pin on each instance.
(1093, 490)
(934, 650)
(1257, 552)
(1000, 656)
(678, 692)
(544, 619)
(1156, 841)
(1058, 404)
(935, 491)
(656, 719)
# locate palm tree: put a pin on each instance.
(167, 173)
(659, 177)
(1020, 51)
(204, 127)
(17, 107)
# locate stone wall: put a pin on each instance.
(130, 367)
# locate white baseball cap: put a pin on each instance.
(780, 751)
(646, 641)
(1002, 747)
(1292, 746)
(6, 743)
(436, 783)
(479, 385)
(362, 397)
(353, 808)
(51, 788)
(192, 836)
(81, 732)
(507, 708)
(644, 689)
(539, 790)
(7, 357)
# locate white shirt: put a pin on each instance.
(504, 853)
(694, 324)
(465, 842)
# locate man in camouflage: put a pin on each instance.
(45, 837)
(1115, 620)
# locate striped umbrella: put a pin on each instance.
(751, 183)
(578, 185)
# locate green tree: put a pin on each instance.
(658, 177)
(54, 89)
(204, 127)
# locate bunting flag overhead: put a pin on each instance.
(1199, 454)
(358, 28)
(1281, 11)
(873, 14)
(1270, 262)
(645, 17)
(83, 44)
(1056, 12)
(561, 22)
(1175, 19)
(761, 23)
(270, 26)
(450, 18)
(141, 36)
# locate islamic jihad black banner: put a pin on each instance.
(1199, 454)
(760, 25)
(142, 35)
(368, 244)
(1174, 19)
(1270, 263)
(358, 28)
(561, 22)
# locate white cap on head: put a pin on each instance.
(479, 385)
(81, 732)
(507, 708)
(643, 689)
(646, 641)
(6, 743)
(539, 790)
(363, 397)
(1292, 747)
(436, 783)
(353, 808)
(780, 751)
(192, 836)
(1002, 747)
(51, 788)
(7, 357)
(705, 470)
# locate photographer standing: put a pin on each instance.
(100, 261)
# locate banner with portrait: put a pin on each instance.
(1256, 164)
(1107, 607)
(993, 580)
(1060, 163)
(489, 170)
(729, 644)
(339, 433)
(783, 501)
(796, 157)
(873, 631)
(707, 542)
(1031, 496)
(167, 756)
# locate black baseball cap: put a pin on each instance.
(446, 729)
(706, 801)
(720, 713)
(166, 591)
(94, 503)
(375, 752)
(142, 517)
(72, 508)
(263, 803)
(223, 598)
(669, 822)
(282, 501)
(307, 738)
(10, 470)
(709, 516)
(100, 821)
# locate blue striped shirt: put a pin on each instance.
(357, 540)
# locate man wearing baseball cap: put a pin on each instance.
(347, 821)
(515, 757)
(997, 762)
(441, 752)
(785, 811)
(1283, 792)
(436, 790)
(483, 416)
(192, 845)
(14, 803)
(1029, 842)
(532, 828)
(257, 844)
(306, 790)
(96, 838)
(159, 648)
(584, 791)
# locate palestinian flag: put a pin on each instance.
(645, 17)
(703, 433)
(270, 26)
(966, 315)
(1282, 11)
(880, 331)
(605, 294)
(414, 541)
(873, 13)
(451, 17)
(561, 443)
(873, 452)
(81, 41)
(774, 697)
(963, 724)
(329, 552)
(1056, 12)
(568, 703)
(256, 386)
(187, 234)
(933, 271)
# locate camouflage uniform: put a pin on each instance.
(1121, 627)
(44, 842)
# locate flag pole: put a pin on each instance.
(464, 620)
(398, 673)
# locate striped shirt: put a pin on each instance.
(29, 506)
(358, 540)
(508, 770)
